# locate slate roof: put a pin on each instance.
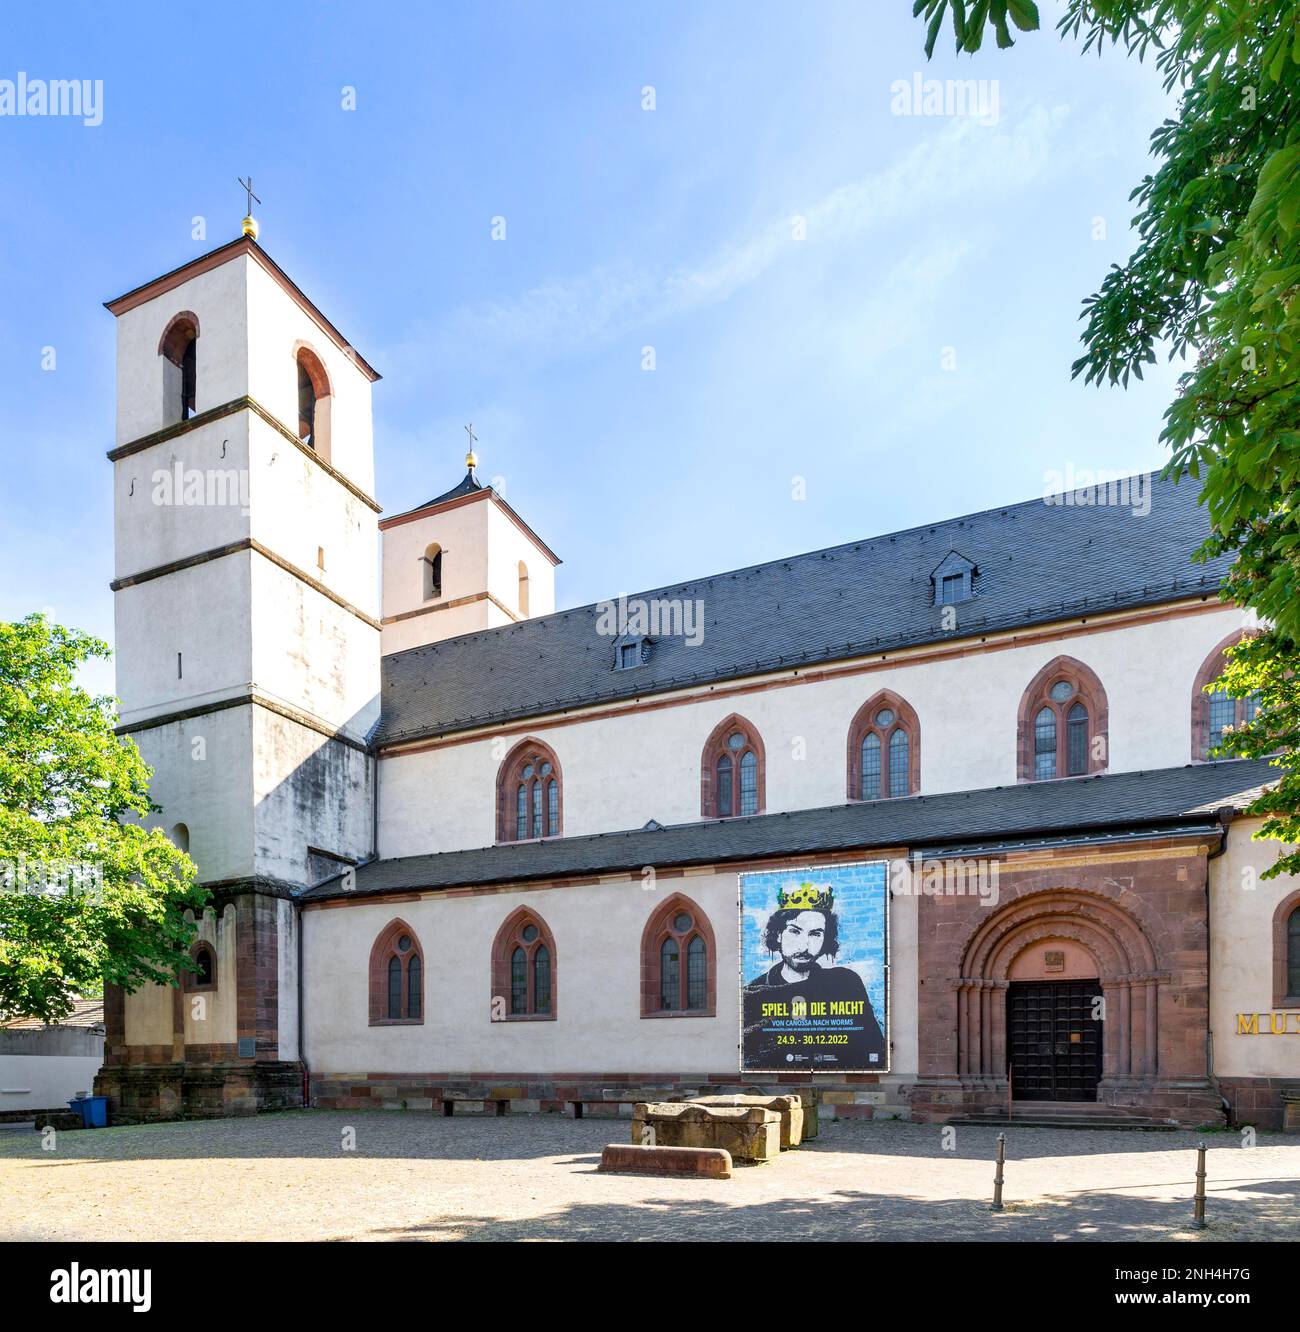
(85, 1013)
(1036, 563)
(469, 485)
(1123, 802)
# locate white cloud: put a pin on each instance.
(962, 161)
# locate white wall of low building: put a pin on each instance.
(622, 770)
(31, 1079)
(598, 1025)
(1242, 907)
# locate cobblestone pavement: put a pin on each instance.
(415, 1177)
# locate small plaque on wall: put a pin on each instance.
(1053, 961)
(248, 1047)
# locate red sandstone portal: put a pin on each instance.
(1135, 929)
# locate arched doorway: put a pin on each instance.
(1059, 997)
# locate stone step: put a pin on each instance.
(1091, 1121)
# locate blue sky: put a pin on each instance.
(776, 357)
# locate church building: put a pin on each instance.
(470, 854)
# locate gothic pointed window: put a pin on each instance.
(670, 961)
(1286, 953)
(414, 987)
(884, 749)
(523, 968)
(1214, 711)
(179, 349)
(678, 961)
(530, 794)
(1062, 723)
(732, 771)
(394, 988)
(1293, 953)
(872, 766)
(1045, 763)
(396, 977)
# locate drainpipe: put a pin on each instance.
(1225, 815)
(302, 1019)
(374, 808)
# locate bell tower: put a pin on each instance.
(247, 648)
(461, 562)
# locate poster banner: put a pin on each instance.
(814, 970)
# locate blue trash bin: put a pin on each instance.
(92, 1109)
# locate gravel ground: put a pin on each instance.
(411, 1176)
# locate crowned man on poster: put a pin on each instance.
(804, 1011)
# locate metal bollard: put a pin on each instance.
(997, 1174)
(1198, 1213)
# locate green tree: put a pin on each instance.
(87, 894)
(1215, 277)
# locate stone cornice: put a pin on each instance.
(233, 548)
(229, 409)
(245, 698)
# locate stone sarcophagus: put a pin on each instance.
(790, 1109)
(749, 1133)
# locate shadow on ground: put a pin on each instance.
(1273, 1206)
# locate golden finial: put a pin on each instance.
(249, 224)
(471, 458)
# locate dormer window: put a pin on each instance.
(954, 580)
(629, 653)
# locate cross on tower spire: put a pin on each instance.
(250, 223)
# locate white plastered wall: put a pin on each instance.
(509, 546)
(211, 1017)
(598, 1025)
(623, 770)
(203, 778)
(219, 300)
(1242, 906)
(483, 548)
(276, 322)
